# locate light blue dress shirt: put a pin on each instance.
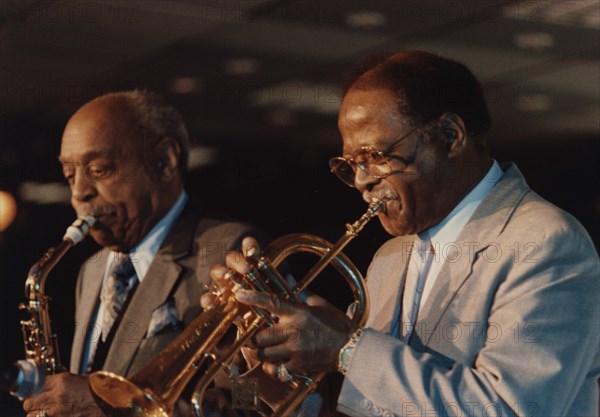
(141, 257)
(443, 237)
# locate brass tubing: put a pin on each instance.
(351, 232)
(154, 390)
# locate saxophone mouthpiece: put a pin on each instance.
(90, 220)
(79, 229)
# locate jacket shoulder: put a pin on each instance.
(538, 219)
(225, 231)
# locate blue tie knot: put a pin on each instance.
(122, 268)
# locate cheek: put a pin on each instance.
(428, 160)
(125, 191)
(138, 204)
(400, 216)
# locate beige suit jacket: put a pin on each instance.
(511, 327)
(181, 266)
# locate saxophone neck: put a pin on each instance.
(40, 342)
(36, 279)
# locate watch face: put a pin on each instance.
(347, 351)
(345, 357)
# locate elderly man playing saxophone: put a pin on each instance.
(124, 156)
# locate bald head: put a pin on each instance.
(153, 119)
(426, 86)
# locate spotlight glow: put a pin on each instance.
(8, 210)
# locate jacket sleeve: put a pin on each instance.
(550, 370)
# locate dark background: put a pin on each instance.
(257, 83)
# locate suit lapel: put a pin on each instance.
(388, 285)
(152, 292)
(87, 303)
(485, 225)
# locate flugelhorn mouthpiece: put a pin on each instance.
(358, 225)
(376, 203)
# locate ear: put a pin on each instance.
(454, 132)
(167, 153)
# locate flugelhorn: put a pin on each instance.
(154, 390)
(41, 343)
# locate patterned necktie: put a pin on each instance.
(418, 269)
(121, 280)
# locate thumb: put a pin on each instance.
(314, 300)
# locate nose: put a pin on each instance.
(82, 189)
(364, 181)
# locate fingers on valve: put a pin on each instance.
(250, 247)
(237, 262)
(217, 274)
(276, 354)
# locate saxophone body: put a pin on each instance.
(41, 344)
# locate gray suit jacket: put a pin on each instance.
(181, 266)
(511, 327)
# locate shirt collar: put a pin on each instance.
(447, 230)
(143, 254)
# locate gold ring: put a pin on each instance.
(283, 374)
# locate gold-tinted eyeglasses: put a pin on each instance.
(371, 161)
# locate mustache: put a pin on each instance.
(94, 211)
(385, 194)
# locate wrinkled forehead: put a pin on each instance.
(370, 118)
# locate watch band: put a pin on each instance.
(345, 354)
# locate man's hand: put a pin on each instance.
(306, 337)
(64, 394)
(220, 274)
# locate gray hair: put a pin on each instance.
(156, 119)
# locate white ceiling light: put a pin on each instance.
(538, 102)
(299, 95)
(365, 20)
(185, 85)
(201, 156)
(45, 193)
(579, 13)
(242, 66)
(534, 41)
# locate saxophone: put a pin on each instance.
(41, 344)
